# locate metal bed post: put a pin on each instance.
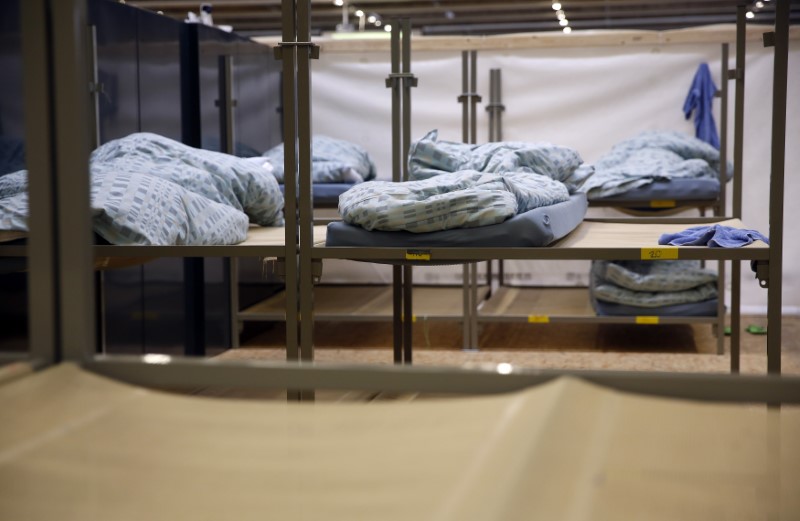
(495, 109)
(61, 307)
(738, 140)
(401, 80)
(408, 270)
(722, 207)
(469, 100)
(286, 52)
(776, 185)
(305, 52)
(397, 270)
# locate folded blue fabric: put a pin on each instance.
(716, 236)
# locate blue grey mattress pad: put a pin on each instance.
(674, 190)
(705, 308)
(538, 227)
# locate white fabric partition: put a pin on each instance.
(586, 98)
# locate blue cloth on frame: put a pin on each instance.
(700, 100)
(716, 236)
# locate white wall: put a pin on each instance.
(588, 99)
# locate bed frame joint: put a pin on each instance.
(281, 47)
(768, 38)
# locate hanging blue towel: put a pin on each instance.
(700, 100)
(716, 236)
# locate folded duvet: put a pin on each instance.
(652, 284)
(150, 190)
(652, 156)
(463, 199)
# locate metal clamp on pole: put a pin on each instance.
(279, 49)
(761, 268)
(400, 78)
(768, 39)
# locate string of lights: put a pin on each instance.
(364, 20)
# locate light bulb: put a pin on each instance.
(556, 6)
(560, 15)
(749, 14)
(563, 22)
(378, 23)
(338, 2)
(387, 28)
(359, 13)
(567, 29)
(371, 19)
(759, 5)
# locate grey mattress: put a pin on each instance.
(675, 190)
(537, 227)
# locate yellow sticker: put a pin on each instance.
(646, 320)
(538, 319)
(669, 253)
(663, 203)
(418, 255)
(413, 318)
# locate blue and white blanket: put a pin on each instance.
(652, 284)
(430, 157)
(455, 185)
(332, 161)
(652, 156)
(150, 190)
(463, 199)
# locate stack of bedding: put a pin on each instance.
(456, 186)
(657, 164)
(663, 288)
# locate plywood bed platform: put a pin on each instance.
(78, 446)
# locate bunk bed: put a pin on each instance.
(96, 448)
(639, 241)
(656, 198)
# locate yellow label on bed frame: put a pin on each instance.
(418, 255)
(413, 318)
(663, 203)
(669, 253)
(644, 319)
(538, 319)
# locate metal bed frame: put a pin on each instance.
(60, 251)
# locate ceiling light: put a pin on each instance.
(372, 18)
(338, 2)
(567, 29)
(749, 14)
(387, 28)
(560, 15)
(563, 22)
(556, 6)
(359, 13)
(759, 5)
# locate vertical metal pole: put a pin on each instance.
(304, 54)
(234, 296)
(776, 186)
(473, 99)
(474, 299)
(408, 271)
(72, 146)
(499, 109)
(738, 129)
(43, 323)
(722, 207)
(723, 135)
(287, 55)
(397, 175)
(736, 316)
(466, 333)
(464, 98)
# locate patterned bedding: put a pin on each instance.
(431, 157)
(150, 190)
(652, 284)
(652, 156)
(455, 185)
(332, 161)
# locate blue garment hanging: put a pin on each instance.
(700, 100)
